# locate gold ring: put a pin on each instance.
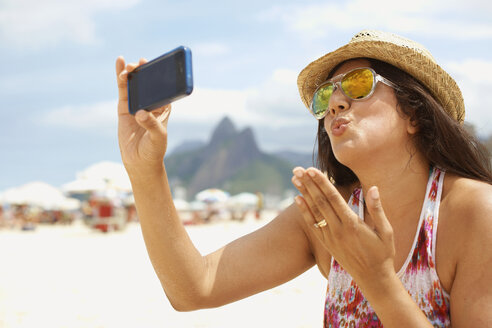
(321, 224)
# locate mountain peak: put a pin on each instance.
(231, 160)
(246, 140)
(224, 130)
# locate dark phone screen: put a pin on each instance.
(158, 83)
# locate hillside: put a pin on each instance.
(231, 161)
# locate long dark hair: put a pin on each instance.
(439, 138)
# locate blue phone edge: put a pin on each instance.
(189, 77)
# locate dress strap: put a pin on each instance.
(439, 180)
(432, 195)
(356, 202)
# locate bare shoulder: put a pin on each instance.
(466, 208)
(467, 202)
(465, 227)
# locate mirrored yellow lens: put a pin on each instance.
(358, 84)
(321, 100)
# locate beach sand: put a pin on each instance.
(71, 276)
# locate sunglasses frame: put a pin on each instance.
(336, 81)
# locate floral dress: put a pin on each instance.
(346, 306)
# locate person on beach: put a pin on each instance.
(396, 216)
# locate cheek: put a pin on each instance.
(375, 126)
(384, 130)
(382, 116)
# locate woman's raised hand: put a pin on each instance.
(367, 254)
(143, 137)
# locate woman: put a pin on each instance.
(397, 163)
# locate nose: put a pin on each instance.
(338, 102)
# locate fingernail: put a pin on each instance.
(297, 171)
(311, 173)
(297, 183)
(298, 200)
(375, 193)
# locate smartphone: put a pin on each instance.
(161, 81)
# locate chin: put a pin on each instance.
(352, 153)
(346, 155)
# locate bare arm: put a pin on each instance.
(261, 260)
(471, 291)
(268, 257)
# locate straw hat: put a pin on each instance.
(403, 53)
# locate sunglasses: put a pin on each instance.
(357, 84)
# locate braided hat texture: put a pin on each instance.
(393, 49)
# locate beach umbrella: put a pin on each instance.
(84, 185)
(243, 199)
(106, 194)
(39, 194)
(197, 205)
(113, 175)
(181, 205)
(11, 196)
(68, 204)
(212, 195)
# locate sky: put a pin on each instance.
(57, 83)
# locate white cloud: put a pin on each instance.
(463, 20)
(203, 106)
(274, 105)
(210, 105)
(277, 101)
(91, 117)
(272, 108)
(475, 80)
(33, 23)
(211, 49)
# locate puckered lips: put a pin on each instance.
(338, 126)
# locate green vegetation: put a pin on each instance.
(268, 175)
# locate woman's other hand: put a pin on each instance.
(366, 253)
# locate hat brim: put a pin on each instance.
(438, 81)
